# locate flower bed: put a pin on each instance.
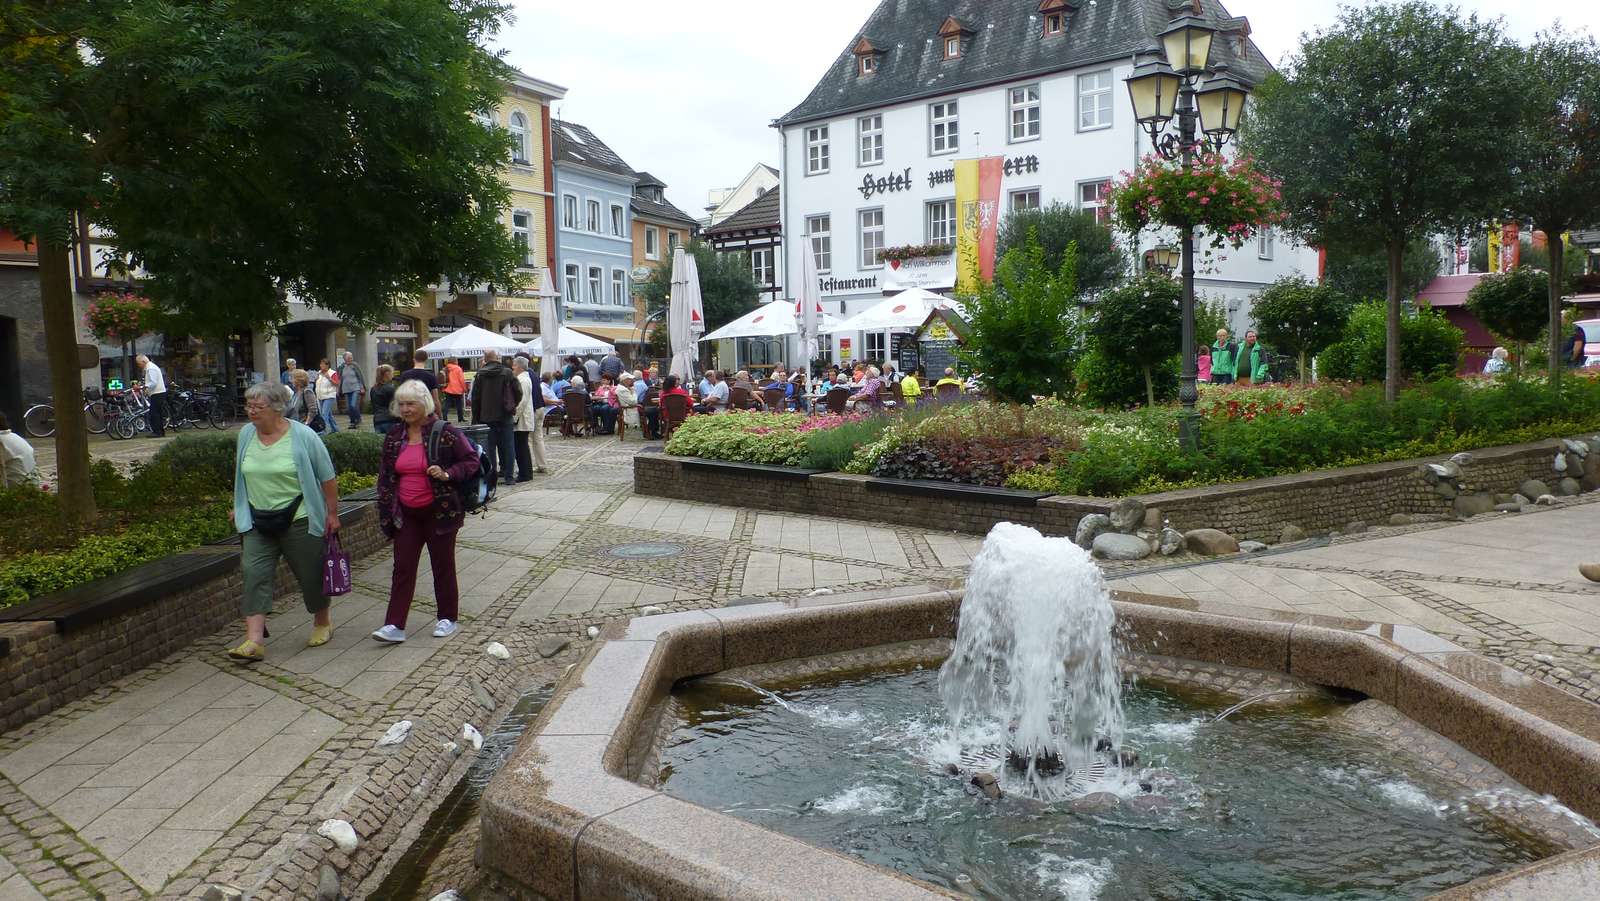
(776, 439)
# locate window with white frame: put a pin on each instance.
(569, 212)
(1024, 199)
(1024, 113)
(869, 131)
(819, 229)
(1094, 100)
(942, 222)
(652, 243)
(952, 48)
(943, 127)
(619, 288)
(816, 150)
(875, 345)
(761, 266)
(869, 64)
(1264, 242)
(596, 275)
(570, 289)
(593, 219)
(519, 138)
(522, 234)
(618, 221)
(871, 238)
(1092, 195)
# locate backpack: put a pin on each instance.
(476, 491)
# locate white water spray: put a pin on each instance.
(1035, 652)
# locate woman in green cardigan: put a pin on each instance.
(1250, 366)
(285, 499)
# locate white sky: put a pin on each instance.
(688, 90)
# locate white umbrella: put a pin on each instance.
(770, 320)
(470, 341)
(686, 319)
(569, 342)
(549, 349)
(808, 310)
(908, 309)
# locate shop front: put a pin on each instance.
(395, 341)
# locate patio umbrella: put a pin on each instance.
(470, 341)
(686, 319)
(908, 309)
(770, 320)
(569, 342)
(549, 346)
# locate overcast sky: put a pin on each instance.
(688, 90)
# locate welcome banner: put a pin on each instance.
(977, 220)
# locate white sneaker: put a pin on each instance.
(390, 635)
(445, 629)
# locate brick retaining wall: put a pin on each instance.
(1258, 509)
(62, 649)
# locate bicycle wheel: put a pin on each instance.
(94, 416)
(121, 427)
(215, 417)
(40, 420)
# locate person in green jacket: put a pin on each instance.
(1250, 366)
(1223, 355)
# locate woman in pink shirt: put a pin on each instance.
(1202, 363)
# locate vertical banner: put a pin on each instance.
(1510, 247)
(1494, 247)
(978, 220)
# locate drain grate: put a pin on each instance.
(645, 550)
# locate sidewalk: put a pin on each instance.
(198, 771)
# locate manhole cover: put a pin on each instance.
(645, 550)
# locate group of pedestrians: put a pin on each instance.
(1228, 362)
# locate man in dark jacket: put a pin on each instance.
(495, 395)
(612, 365)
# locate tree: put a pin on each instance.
(1392, 124)
(1557, 167)
(1299, 317)
(1429, 346)
(1364, 275)
(1101, 261)
(1141, 321)
(241, 150)
(1512, 305)
(1024, 336)
(727, 289)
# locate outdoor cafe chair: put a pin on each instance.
(947, 393)
(836, 400)
(741, 399)
(773, 398)
(674, 410)
(578, 421)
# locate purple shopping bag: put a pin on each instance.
(335, 567)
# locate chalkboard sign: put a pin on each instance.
(907, 355)
(938, 355)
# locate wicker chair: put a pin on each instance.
(741, 399)
(674, 410)
(652, 401)
(836, 400)
(579, 423)
(772, 396)
(947, 393)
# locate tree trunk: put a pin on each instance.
(1149, 388)
(1522, 355)
(1557, 258)
(73, 492)
(1302, 367)
(1391, 350)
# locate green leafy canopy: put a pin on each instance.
(1102, 263)
(727, 289)
(1299, 317)
(1024, 337)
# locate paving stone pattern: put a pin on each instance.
(194, 771)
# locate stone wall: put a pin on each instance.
(1258, 509)
(24, 368)
(50, 663)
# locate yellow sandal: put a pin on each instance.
(320, 635)
(249, 652)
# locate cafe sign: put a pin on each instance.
(929, 273)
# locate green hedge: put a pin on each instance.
(211, 454)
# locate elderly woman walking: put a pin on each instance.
(420, 506)
(525, 420)
(327, 394)
(285, 500)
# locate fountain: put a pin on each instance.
(1035, 653)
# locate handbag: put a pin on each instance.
(335, 567)
(275, 522)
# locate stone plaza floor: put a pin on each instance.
(197, 771)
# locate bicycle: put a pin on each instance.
(40, 419)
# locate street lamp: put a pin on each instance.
(1163, 259)
(1172, 72)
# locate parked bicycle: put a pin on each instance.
(189, 407)
(40, 419)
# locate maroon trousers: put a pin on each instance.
(418, 530)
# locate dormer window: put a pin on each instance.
(869, 65)
(866, 57)
(951, 36)
(952, 48)
(1054, 24)
(1055, 15)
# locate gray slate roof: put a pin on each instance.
(658, 209)
(572, 143)
(759, 213)
(1007, 43)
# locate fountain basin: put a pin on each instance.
(567, 815)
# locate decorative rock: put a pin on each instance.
(1560, 463)
(1590, 571)
(1097, 802)
(1508, 508)
(1127, 515)
(1170, 542)
(1474, 504)
(451, 750)
(482, 696)
(1533, 488)
(341, 833)
(1252, 547)
(1461, 459)
(652, 610)
(1448, 470)
(1153, 518)
(1590, 480)
(1210, 542)
(1569, 487)
(396, 734)
(988, 784)
(1520, 500)
(451, 895)
(1401, 519)
(553, 646)
(1577, 447)
(1545, 500)
(497, 650)
(1117, 546)
(1431, 473)
(472, 736)
(593, 632)
(1291, 533)
(1355, 527)
(1090, 527)
(222, 893)
(328, 883)
(1447, 491)
(1500, 497)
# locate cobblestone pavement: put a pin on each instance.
(197, 772)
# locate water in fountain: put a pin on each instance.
(1035, 660)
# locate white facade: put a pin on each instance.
(1066, 134)
(724, 202)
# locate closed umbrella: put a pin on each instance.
(686, 319)
(549, 350)
(808, 313)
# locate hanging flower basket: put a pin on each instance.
(1229, 200)
(118, 316)
(914, 251)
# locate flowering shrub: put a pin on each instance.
(913, 251)
(117, 316)
(1248, 402)
(1230, 199)
(742, 437)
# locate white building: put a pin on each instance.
(724, 202)
(867, 158)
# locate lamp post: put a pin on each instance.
(1164, 86)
